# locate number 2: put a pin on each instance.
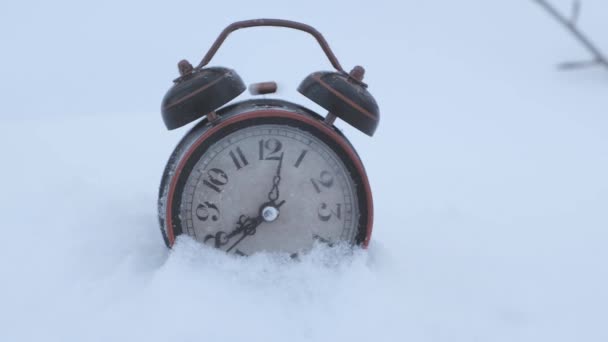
(325, 179)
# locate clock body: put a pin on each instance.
(270, 176)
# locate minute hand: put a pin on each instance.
(273, 195)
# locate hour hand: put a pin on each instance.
(245, 225)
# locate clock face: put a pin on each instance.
(268, 187)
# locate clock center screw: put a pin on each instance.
(270, 214)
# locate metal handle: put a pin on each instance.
(271, 22)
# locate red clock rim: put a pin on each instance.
(261, 114)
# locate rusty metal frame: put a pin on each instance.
(271, 22)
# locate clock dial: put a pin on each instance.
(272, 188)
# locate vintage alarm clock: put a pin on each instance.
(266, 174)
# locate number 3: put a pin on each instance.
(325, 213)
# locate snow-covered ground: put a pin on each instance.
(489, 172)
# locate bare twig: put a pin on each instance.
(599, 58)
(576, 11)
(578, 65)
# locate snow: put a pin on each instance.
(488, 171)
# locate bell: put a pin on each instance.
(197, 92)
(345, 96)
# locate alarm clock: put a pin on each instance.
(266, 174)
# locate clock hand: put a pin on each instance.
(273, 195)
(245, 225)
(250, 225)
(249, 229)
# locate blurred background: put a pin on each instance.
(488, 171)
